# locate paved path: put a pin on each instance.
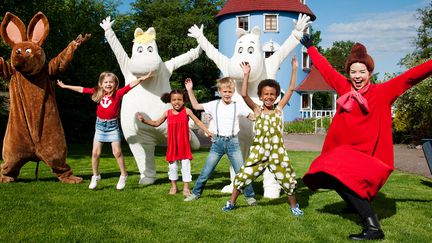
(409, 160)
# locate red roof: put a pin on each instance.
(239, 6)
(314, 82)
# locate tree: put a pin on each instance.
(413, 116)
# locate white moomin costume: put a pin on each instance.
(145, 98)
(248, 49)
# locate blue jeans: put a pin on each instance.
(221, 145)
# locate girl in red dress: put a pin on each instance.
(178, 145)
(357, 155)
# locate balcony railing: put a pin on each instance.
(317, 113)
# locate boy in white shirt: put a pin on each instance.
(225, 113)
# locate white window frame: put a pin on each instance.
(307, 61)
(238, 22)
(277, 22)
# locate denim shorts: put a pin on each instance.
(107, 130)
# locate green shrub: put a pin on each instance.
(307, 125)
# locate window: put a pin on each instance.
(270, 47)
(271, 22)
(303, 2)
(243, 22)
(306, 62)
(305, 101)
(268, 53)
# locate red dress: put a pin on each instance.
(178, 136)
(358, 149)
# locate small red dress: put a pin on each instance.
(178, 136)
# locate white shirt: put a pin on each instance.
(225, 116)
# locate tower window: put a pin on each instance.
(306, 62)
(271, 22)
(243, 22)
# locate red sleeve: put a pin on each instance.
(88, 90)
(336, 80)
(121, 92)
(398, 85)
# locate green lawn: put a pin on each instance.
(49, 211)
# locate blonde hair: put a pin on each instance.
(225, 82)
(99, 93)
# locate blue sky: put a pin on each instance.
(386, 27)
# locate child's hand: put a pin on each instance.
(139, 117)
(188, 84)
(210, 135)
(60, 83)
(294, 62)
(246, 67)
(145, 77)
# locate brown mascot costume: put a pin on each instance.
(34, 131)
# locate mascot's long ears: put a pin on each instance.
(13, 29)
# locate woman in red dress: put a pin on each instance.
(357, 155)
(178, 144)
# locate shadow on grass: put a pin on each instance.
(426, 183)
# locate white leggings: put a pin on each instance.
(185, 169)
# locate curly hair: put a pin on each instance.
(268, 83)
(166, 97)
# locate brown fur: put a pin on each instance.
(34, 131)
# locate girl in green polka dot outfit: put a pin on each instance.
(267, 149)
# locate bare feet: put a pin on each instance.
(173, 191)
(186, 192)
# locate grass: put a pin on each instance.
(49, 211)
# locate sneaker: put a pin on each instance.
(94, 181)
(121, 182)
(228, 207)
(191, 197)
(297, 211)
(251, 201)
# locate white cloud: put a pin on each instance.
(386, 32)
(388, 36)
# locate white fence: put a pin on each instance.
(317, 113)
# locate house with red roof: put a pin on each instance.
(275, 19)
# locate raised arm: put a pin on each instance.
(116, 47)
(152, 123)
(183, 59)
(398, 85)
(140, 79)
(333, 78)
(6, 69)
(218, 58)
(78, 89)
(59, 63)
(199, 123)
(192, 98)
(244, 90)
(290, 91)
(275, 60)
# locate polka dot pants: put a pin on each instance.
(267, 151)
